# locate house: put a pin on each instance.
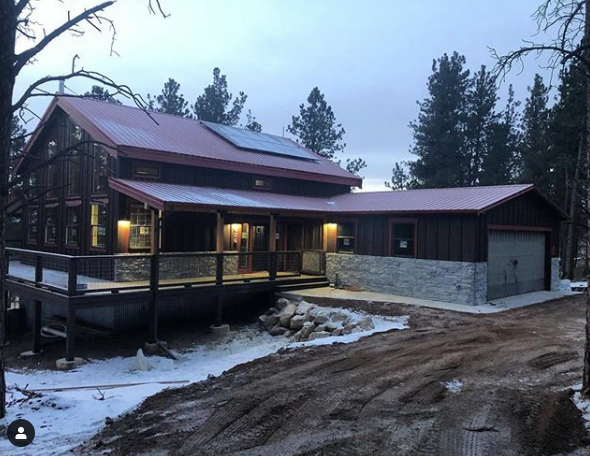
(134, 185)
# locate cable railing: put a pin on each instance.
(81, 275)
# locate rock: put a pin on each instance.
(297, 322)
(320, 319)
(307, 329)
(304, 307)
(282, 303)
(366, 324)
(277, 331)
(319, 328)
(309, 316)
(339, 318)
(337, 332)
(140, 362)
(286, 314)
(268, 321)
(289, 332)
(348, 328)
(297, 336)
(271, 311)
(356, 329)
(319, 335)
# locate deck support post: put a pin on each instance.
(219, 311)
(71, 333)
(154, 278)
(219, 247)
(37, 326)
(272, 247)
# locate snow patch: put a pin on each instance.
(454, 386)
(63, 420)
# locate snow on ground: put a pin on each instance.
(454, 386)
(63, 420)
(583, 406)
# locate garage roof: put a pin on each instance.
(450, 200)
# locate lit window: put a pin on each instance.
(72, 225)
(403, 239)
(262, 183)
(50, 225)
(32, 224)
(98, 229)
(345, 238)
(140, 229)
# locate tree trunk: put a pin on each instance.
(585, 393)
(570, 245)
(7, 42)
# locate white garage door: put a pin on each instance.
(516, 263)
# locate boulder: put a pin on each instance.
(304, 307)
(348, 328)
(309, 316)
(268, 321)
(289, 332)
(282, 303)
(319, 328)
(140, 363)
(319, 335)
(297, 322)
(271, 311)
(307, 329)
(366, 324)
(337, 332)
(320, 319)
(339, 318)
(277, 331)
(286, 315)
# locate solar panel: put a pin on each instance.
(260, 142)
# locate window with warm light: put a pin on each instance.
(140, 227)
(262, 184)
(98, 229)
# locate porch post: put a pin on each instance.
(272, 247)
(219, 247)
(37, 326)
(154, 278)
(70, 332)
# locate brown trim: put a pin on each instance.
(401, 220)
(519, 228)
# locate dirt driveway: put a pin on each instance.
(385, 394)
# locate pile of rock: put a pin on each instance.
(305, 321)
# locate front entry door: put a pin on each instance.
(252, 240)
(259, 261)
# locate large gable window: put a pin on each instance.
(32, 224)
(99, 170)
(50, 225)
(403, 239)
(73, 226)
(52, 170)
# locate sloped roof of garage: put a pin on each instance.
(447, 200)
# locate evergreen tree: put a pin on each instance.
(214, 104)
(400, 177)
(315, 127)
(101, 94)
(439, 132)
(499, 163)
(536, 163)
(170, 100)
(252, 123)
(355, 165)
(481, 101)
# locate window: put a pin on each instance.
(50, 225)
(99, 170)
(73, 226)
(74, 161)
(32, 224)
(403, 240)
(262, 184)
(98, 228)
(140, 229)
(146, 171)
(345, 238)
(52, 170)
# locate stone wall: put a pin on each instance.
(312, 262)
(555, 274)
(131, 268)
(457, 282)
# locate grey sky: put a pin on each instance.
(370, 58)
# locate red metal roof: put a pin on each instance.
(447, 200)
(168, 138)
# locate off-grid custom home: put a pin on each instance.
(218, 206)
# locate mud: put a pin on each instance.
(385, 395)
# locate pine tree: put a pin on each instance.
(251, 122)
(400, 177)
(439, 132)
(536, 161)
(481, 118)
(504, 141)
(214, 104)
(170, 101)
(101, 94)
(316, 128)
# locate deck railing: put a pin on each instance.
(79, 275)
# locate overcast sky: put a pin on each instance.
(370, 58)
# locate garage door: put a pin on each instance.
(516, 263)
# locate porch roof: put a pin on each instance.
(454, 200)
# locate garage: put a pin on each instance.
(516, 262)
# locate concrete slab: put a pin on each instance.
(497, 305)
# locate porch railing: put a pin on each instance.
(79, 275)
